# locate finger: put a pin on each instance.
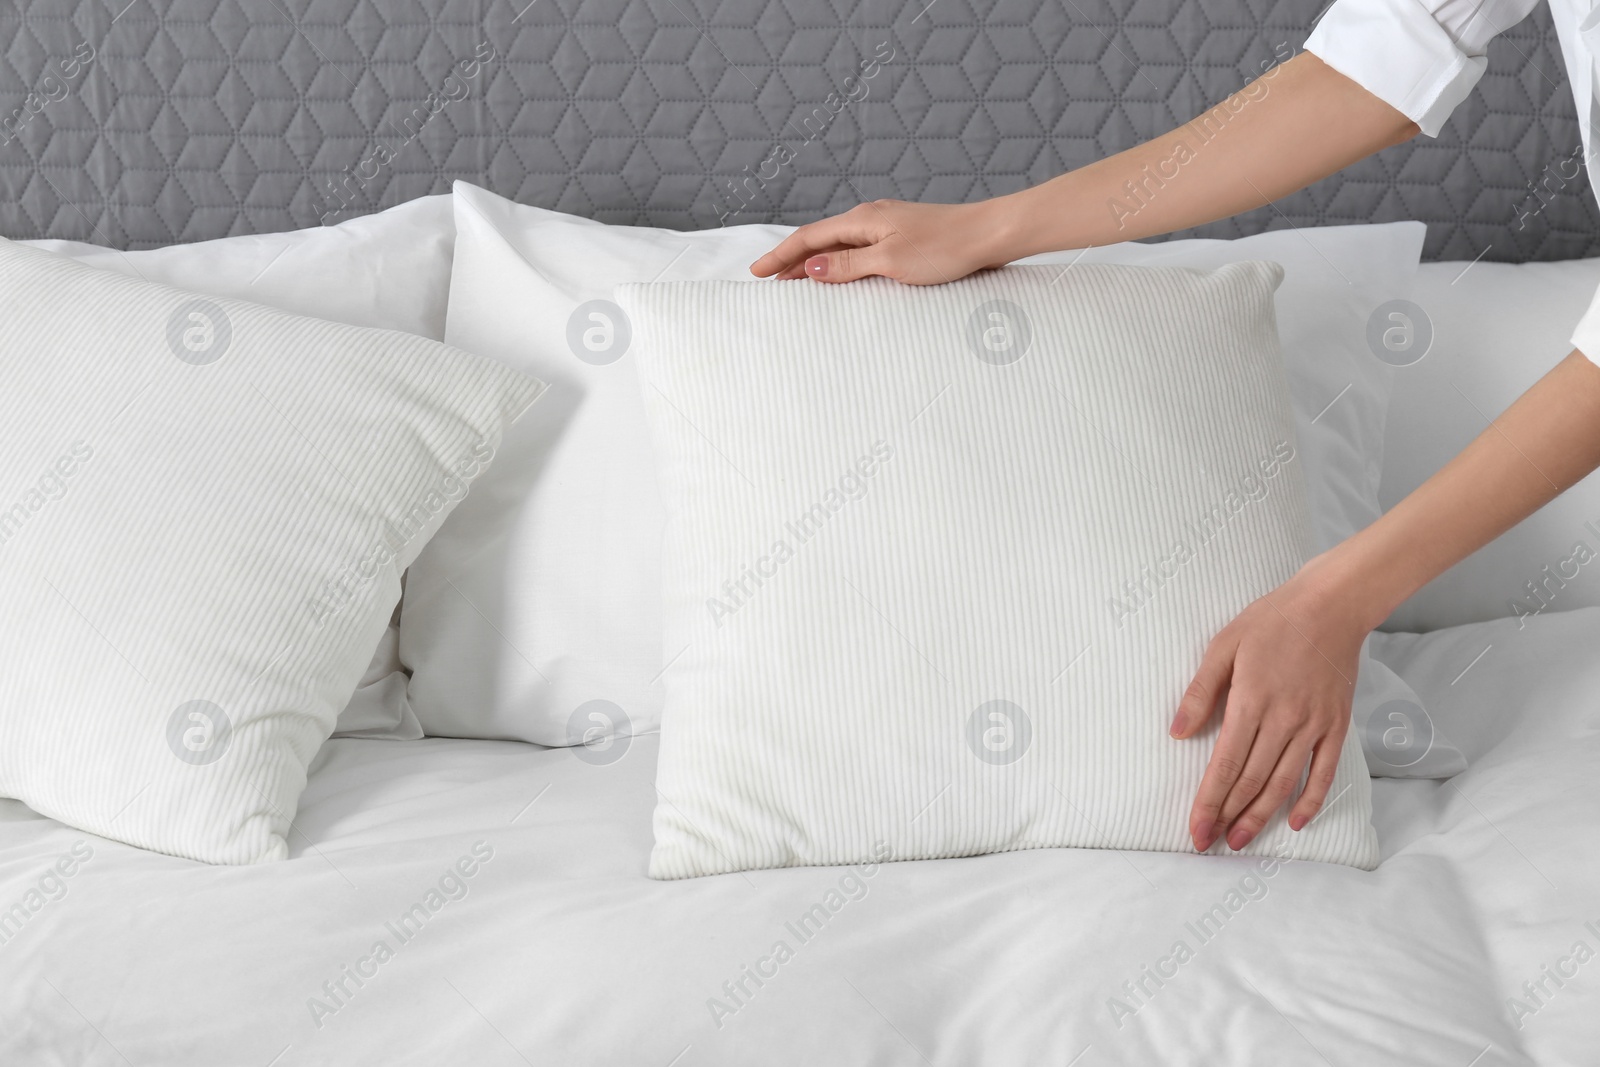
(1281, 784)
(852, 264)
(1265, 752)
(854, 227)
(798, 270)
(1239, 725)
(1205, 691)
(1324, 762)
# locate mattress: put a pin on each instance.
(451, 901)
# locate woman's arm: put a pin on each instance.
(1292, 654)
(1286, 667)
(1295, 124)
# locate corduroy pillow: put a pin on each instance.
(206, 508)
(940, 561)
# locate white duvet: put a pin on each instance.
(472, 902)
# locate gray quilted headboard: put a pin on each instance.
(137, 123)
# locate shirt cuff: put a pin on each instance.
(1398, 52)
(1586, 335)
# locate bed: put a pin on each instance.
(447, 900)
(559, 945)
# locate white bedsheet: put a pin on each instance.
(1521, 827)
(562, 951)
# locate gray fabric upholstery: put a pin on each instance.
(202, 118)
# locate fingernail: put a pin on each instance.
(1179, 721)
(1238, 839)
(1298, 823)
(1208, 837)
(817, 266)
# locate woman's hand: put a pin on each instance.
(918, 244)
(1287, 664)
(1287, 668)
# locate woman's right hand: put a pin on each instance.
(917, 244)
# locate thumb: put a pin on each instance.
(849, 264)
(1205, 692)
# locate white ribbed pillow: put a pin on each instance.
(902, 527)
(205, 509)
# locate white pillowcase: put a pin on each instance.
(1495, 330)
(209, 504)
(390, 270)
(535, 614)
(901, 525)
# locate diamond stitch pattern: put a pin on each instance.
(203, 118)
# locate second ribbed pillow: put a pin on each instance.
(207, 509)
(940, 561)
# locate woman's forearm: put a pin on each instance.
(1296, 124)
(1544, 443)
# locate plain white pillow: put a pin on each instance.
(1497, 328)
(389, 270)
(898, 520)
(535, 614)
(538, 605)
(208, 506)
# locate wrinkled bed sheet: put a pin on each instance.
(485, 902)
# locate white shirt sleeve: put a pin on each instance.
(1586, 336)
(1421, 57)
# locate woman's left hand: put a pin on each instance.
(1287, 667)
